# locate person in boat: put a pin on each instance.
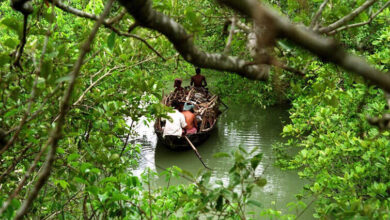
(190, 118)
(179, 91)
(177, 85)
(177, 123)
(198, 81)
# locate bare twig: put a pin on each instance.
(318, 14)
(106, 23)
(230, 37)
(361, 23)
(306, 208)
(347, 18)
(101, 78)
(282, 65)
(15, 162)
(56, 133)
(243, 27)
(117, 18)
(109, 72)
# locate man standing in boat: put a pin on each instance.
(190, 118)
(175, 125)
(198, 79)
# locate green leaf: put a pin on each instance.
(4, 59)
(80, 180)
(219, 203)
(11, 113)
(256, 160)
(109, 179)
(254, 202)
(47, 68)
(11, 43)
(187, 173)
(14, 24)
(63, 79)
(103, 197)
(63, 184)
(94, 190)
(221, 154)
(111, 41)
(73, 157)
(261, 182)
(60, 150)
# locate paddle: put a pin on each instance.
(196, 152)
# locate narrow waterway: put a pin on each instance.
(241, 125)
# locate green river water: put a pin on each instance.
(241, 125)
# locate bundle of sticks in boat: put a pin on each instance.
(204, 105)
(194, 96)
(208, 111)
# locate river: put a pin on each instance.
(240, 125)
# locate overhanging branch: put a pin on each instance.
(108, 23)
(361, 23)
(347, 18)
(325, 48)
(147, 17)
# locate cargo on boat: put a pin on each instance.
(206, 111)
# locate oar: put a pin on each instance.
(196, 152)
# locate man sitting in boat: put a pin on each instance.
(198, 79)
(177, 85)
(175, 125)
(179, 91)
(190, 118)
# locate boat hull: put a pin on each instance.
(180, 143)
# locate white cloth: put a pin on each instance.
(175, 125)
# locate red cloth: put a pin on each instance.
(192, 131)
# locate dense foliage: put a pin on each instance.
(345, 158)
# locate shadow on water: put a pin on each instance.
(242, 125)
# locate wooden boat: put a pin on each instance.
(206, 109)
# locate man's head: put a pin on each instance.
(177, 83)
(176, 105)
(197, 70)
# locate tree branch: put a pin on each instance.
(325, 48)
(95, 83)
(147, 17)
(318, 14)
(347, 18)
(230, 37)
(23, 41)
(284, 66)
(15, 162)
(361, 23)
(23, 6)
(56, 133)
(117, 18)
(243, 27)
(107, 23)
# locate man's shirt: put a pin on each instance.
(175, 125)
